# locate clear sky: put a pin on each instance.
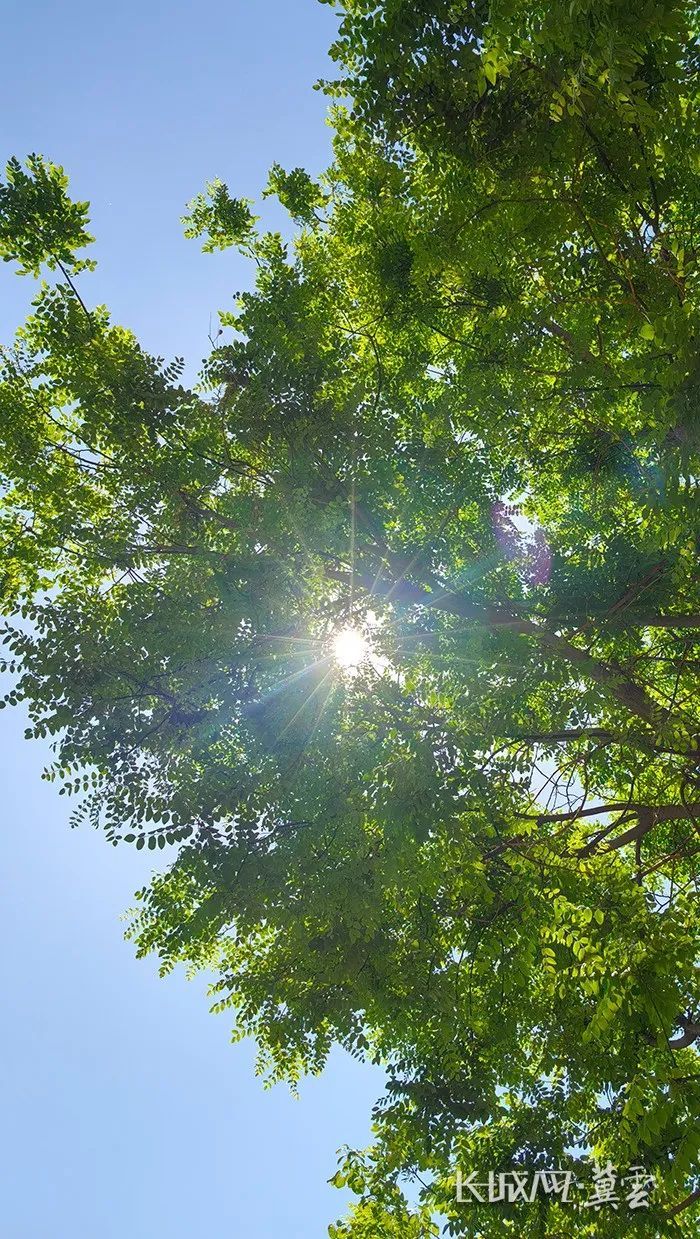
(126, 1112)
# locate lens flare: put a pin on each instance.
(350, 648)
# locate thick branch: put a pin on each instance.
(611, 678)
(647, 816)
(602, 734)
(684, 1204)
(621, 806)
(691, 1033)
(211, 514)
(570, 733)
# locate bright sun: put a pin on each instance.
(350, 648)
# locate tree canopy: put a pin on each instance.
(459, 414)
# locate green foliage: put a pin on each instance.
(474, 860)
(222, 220)
(39, 224)
(296, 191)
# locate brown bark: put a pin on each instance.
(690, 1034)
(684, 1204)
(610, 677)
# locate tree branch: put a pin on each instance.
(691, 1033)
(684, 1204)
(610, 677)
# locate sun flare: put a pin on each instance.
(350, 648)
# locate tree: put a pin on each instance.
(458, 415)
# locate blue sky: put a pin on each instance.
(128, 1115)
